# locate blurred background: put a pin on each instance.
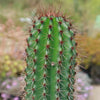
(14, 20)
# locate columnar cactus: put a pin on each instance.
(51, 54)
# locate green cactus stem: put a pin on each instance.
(51, 55)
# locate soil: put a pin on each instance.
(95, 93)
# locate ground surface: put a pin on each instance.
(95, 93)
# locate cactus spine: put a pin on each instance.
(51, 54)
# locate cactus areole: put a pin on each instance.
(51, 60)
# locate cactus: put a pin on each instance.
(51, 59)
